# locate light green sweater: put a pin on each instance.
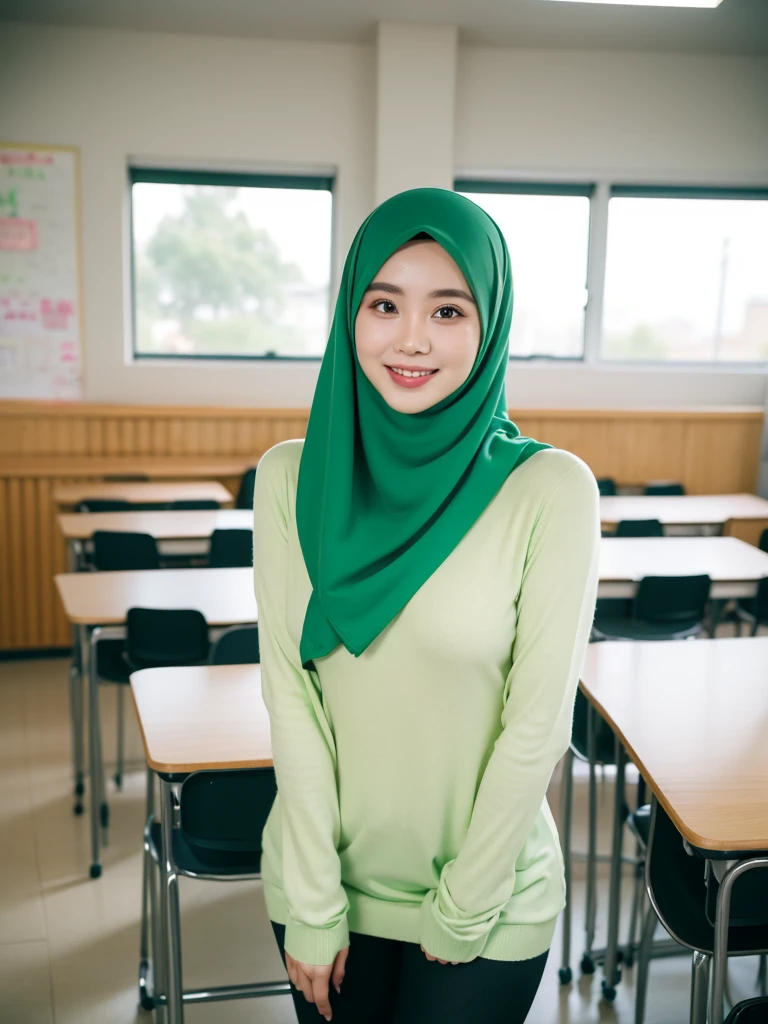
(412, 780)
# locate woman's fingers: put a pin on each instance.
(320, 995)
(339, 968)
(430, 957)
(290, 966)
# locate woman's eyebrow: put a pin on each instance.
(439, 293)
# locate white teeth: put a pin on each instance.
(411, 373)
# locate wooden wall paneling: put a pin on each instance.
(749, 530)
(17, 580)
(6, 592)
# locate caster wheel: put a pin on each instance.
(566, 975)
(146, 1002)
(587, 965)
(78, 808)
(80, 788)
(95, 870)
(609, 992)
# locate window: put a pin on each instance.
(230, 265)
(686, 275)
(547, 233)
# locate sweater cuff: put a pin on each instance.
(317, 946)
(440, 939)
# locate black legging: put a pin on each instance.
(389, 982)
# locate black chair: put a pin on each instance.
(678, 881)
(191, 504)
(159, 637)
(659, 490)
(749, 1011)
(639, 528)
(119, 552)
(245, 494)
(753, 610)
(104, 505)
(231, 549)
(216, 836)
(238, 646)
(665, 608)
(606, 486)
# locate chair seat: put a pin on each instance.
(200, 860)
(639, 629)
(110, 663)
(750, 1011)
(640, 823)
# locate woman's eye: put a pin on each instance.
(389, 306)
(448, 313)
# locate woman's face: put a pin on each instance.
(417, 331)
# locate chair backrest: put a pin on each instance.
(245, 494)
(639, 528)
(227, 810)
(672, 599)
(664, 489)
(763, 542)
(749, 1011)
(605, 743)
(104, 505)
(158, 637)
(238, 646)
(189, 504)
(676, 885)
(761, 603)
(606, 486)
(231, 549)
(121, 551)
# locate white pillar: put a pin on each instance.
(415, 107)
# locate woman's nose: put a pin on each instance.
(412, 340)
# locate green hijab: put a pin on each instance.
(383, 496)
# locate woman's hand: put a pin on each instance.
(313, 980)
(430, 957)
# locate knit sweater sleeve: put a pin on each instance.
(303, 746)
(555, 610)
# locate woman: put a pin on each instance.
(426, 581)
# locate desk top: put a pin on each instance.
(224, 596)
(693, 716)
(720, 558)
(203, 717)
(691, 510)
(181, 525)
(133, 490)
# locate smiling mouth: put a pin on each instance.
(409, 377)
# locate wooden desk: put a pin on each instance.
(204, 717)
(182, 467)
(69, 495)
(93, 600)
(184, 524)
(733, 566)
(693, 716)
(686, 510)
(224, 596)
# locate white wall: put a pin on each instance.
(259, 103)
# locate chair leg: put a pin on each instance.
(88, 645)
(643, 963)
(700, 968)
(637, 896)
(566, 812)
(120, 738)
(587, 964)
(173, 916)
(148, 906)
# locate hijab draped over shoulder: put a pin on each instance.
(384, 496)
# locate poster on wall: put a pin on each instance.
(40, 279)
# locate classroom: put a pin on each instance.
(460, 683)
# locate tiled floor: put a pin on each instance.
(68, 945)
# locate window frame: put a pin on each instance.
(548, 187)
(602, 189)
(321, 181)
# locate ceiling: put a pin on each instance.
(736, 27)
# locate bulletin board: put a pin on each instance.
(41, 306)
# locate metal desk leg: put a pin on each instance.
(612, 975)
(79, 638)
(722, 918)
(94, 743)
(700, 967)
(566, 815)
(170, 897)
(590, 917)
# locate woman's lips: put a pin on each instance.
(410, 382)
